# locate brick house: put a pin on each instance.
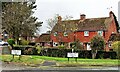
(44, 40)
(84, 30)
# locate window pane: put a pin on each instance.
(86, 33)
(55, 34)
(100, 33)
(65, 34)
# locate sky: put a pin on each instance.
(47, 9)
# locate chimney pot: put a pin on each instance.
(110, 14)
(82, 17)
(59, 18)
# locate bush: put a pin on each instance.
(11, 42)
(61, 46)
(104, 54)
(32, 43)
(115, 47)
(24, 42)
(26, 49)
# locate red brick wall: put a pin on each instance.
(80, 36)
(111, 28)
(62, 38)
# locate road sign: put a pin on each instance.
(16, 52)
(72, 54)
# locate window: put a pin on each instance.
(100, 33)
(55, 34)
(86, 33)
(65, 34)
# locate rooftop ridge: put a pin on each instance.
(85, 19)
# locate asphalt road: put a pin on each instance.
(10, 67)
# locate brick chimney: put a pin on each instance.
(111, 14)
(59, 18)
(82, 17)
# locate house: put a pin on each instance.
(84, 29)
(44, 40)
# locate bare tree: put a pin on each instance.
(52, 21)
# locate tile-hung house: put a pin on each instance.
(84, 30)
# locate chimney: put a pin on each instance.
(59, 18)
(82, 17)
(110, 14)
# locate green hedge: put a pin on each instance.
(26, 49)
(58, 52)
(62, 52)
(104, 54)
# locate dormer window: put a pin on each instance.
(65, 34)
(100, 33)
(55, 33)
(86, 33)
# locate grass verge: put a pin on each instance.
(28, 60)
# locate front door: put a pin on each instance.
(88, 46)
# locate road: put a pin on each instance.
(11, 67)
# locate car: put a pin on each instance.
(3, 43)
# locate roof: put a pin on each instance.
(45, 38)
(91, 24)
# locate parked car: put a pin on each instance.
(4, 47)
(3, 43)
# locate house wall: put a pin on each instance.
(111, 29)
(61, 38)
(85, 39)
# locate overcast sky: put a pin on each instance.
(92, 8)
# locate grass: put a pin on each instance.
(27, 59)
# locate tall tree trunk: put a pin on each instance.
(94, 52)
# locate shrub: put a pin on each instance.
(26, 49)
(104, 54)
(115, 47)
(61, 46)
(11, 42)
(24, 42)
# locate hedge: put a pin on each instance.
(31, 50)
(62, 52)
(58, 52)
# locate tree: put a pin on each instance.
(115, 47)
(18, 20)
(114, 37)
(52, 21)
(97, 43)
(76, 45)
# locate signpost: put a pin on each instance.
(16, 52)
(72, 55)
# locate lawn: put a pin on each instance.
(27, 59)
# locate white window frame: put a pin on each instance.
(55, 33)
(100, 33)
(86, 33)
(65, 34)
